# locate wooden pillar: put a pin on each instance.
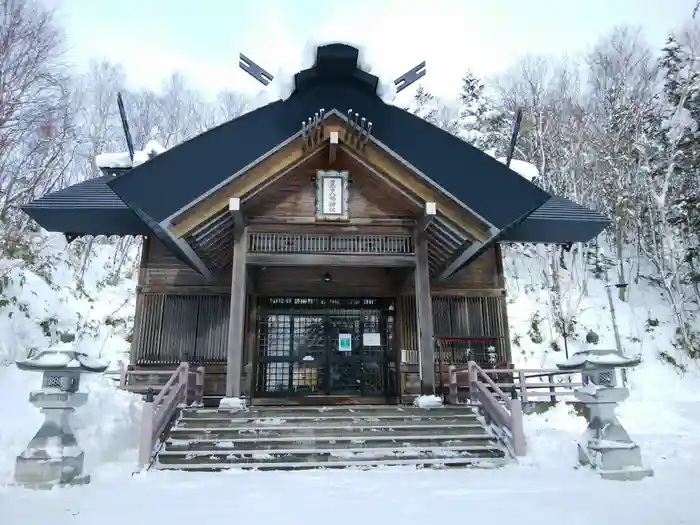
(504, 325)
(138, 312)
(248, 373)
(236, 328)
(424, 312)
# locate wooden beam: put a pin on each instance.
(236, 336)
(463, 255)
(234, 208)
(333, 147)
(427, 218)
(352, 222)
(419, 234)
(319, 259)
(424, 314)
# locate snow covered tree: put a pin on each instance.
(35, 113)
(482, 122)
(621, 88)
(423, 104)
(671, 146)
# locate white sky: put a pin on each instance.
(154, 38)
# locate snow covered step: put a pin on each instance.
(436, 463)
(143, 388)
(447, 449)
(341, 420)
(334, 437)
(331, 442)
(326, 412)
(261, 433)
(359, 455)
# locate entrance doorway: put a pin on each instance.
(325, 347)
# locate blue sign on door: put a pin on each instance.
(345, 342)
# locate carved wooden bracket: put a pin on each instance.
(333, 147)
(357, 130)
(234, 208)
(312, 130)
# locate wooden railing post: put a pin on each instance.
(123, 375)
(471, 370)
(522, 380)
(453, 385)
(552, 389)
(517, 428)
(199, 385)
(146, 434)
(184, 378)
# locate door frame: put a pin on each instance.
(323, 307)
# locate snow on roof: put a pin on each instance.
(524, 169)
(62, 356)
(597, 358)
(123, 160)
(282, 86)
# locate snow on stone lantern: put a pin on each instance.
(605, 445)
(53, 456)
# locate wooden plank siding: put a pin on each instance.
(176, 327)
(350, 281)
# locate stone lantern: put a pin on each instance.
(605, 445)
(53, 456)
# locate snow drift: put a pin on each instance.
(40, 301)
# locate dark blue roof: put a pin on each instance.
(170, 181)
(87, 208)
(558, 220)
(192, 168)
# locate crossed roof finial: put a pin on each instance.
(264, 77)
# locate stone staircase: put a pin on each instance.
(289, 438)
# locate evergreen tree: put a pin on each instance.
(424, 105)
(672, 152)
(675, 142)
(481, 122)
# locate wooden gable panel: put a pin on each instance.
(294, 195)
(161, 270)
(483, 273)
(289, 157)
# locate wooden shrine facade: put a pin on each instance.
(341, 260)
(302, 275)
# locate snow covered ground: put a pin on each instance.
(545, 487)
(662, 415)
